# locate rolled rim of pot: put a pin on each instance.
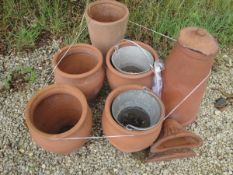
(132, 60)
(103, 4)
(108, 113)
(78, 49)
(199, 40)
(127, 43)
(47, 92)
(136, 109)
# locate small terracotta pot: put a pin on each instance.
(82, 67)
(56, 113)
(174, 136)
(170, 155)
(130, 140)
(117, 78)
(189, 62)
(107, 23)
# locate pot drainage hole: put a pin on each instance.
(134, 116)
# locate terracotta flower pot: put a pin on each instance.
(58, 112)
(107, 23)
(189, 62)
(170, 155)
(118, 78)
(174, 136)
(131, 140)
(82, 67)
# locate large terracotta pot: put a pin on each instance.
(107, 23)
(58, 112)
(117, 78)
(189, 62)
(82, 67)
(129, 140)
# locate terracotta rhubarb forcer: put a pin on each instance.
(129, 140)
(116, 78)
(174, 136)
(189, 62)
(82, 67)
(170, 155)
(58, 112)
(107, 23)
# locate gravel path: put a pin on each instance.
(19, 155)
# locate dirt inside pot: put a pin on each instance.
(57, 113)
(131, 69)
(77, 63)
(134, 116)
(106, 12)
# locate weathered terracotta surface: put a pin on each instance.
(107, 23)
(189, 62)
(57, 112)
(136, 140)
(170, 155)
(174, 136)
(82, 67)
(116, 78)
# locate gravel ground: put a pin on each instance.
(19, 155)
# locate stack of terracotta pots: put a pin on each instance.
(60, 120)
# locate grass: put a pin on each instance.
(22, 22)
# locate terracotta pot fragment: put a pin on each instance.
(188, 63)
(170, 155)
(131, 140)
(174, 136)
(107, 23)
(116, 78)
(82, 67)
(56, 113)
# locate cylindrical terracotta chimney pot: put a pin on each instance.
(189, 62)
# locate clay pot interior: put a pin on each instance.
(174, 136)
(107, 11)
(136, 109)
(132, 60)
(77, 61)
(56, 113)
(182, 141)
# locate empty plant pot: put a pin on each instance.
(82, 67)
(55, 114)
(170, 155)
(174, 136)
(107, 23)
(188, 63)
(129, 64)
(135, 115)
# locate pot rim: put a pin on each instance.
(47, 92)
(108, 113)
(130, 76)
(116, 3)
(78, 46)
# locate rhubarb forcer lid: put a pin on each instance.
(199, 40)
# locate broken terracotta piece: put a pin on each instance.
(130, 140)
(174, 136)
(107, 23)
(81, 67)
(188, 63)
(170, 155)
(58, 112)
(116, 78)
